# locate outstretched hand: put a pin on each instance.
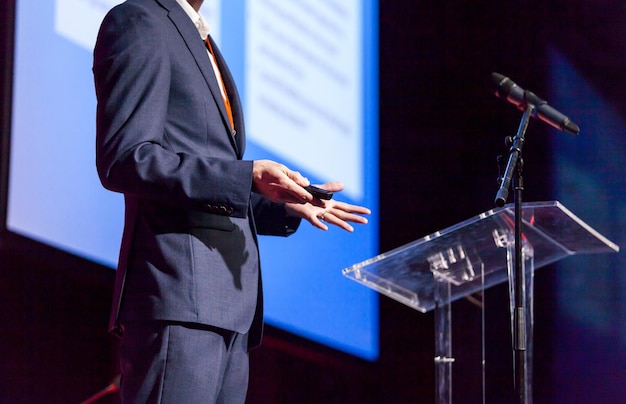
(319, 212)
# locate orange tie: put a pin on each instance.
(229, 110)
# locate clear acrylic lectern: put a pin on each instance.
(432, 272)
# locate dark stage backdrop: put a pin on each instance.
(440, 132)
(587, 76)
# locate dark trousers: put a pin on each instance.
(165, 362)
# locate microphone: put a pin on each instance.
(507, 89)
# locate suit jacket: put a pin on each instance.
(189, 248)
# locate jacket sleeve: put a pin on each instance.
(271, 218)
(133, 78)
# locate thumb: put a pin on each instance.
(334, 186)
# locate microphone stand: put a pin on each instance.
(513, 173)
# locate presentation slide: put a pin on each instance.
(304, 80)
(307, 74)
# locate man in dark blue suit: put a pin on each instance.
(171, 138)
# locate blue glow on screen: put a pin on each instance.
(55, 196)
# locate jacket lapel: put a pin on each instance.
(233, 94)
(198, 49)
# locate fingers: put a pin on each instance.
(333, 219)
(296, 177)
(290, 191)
(348, 217)
(278, 183)
(284, 193)
(318, 221)
(348, 208)
(334, 213)
(341, 214)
